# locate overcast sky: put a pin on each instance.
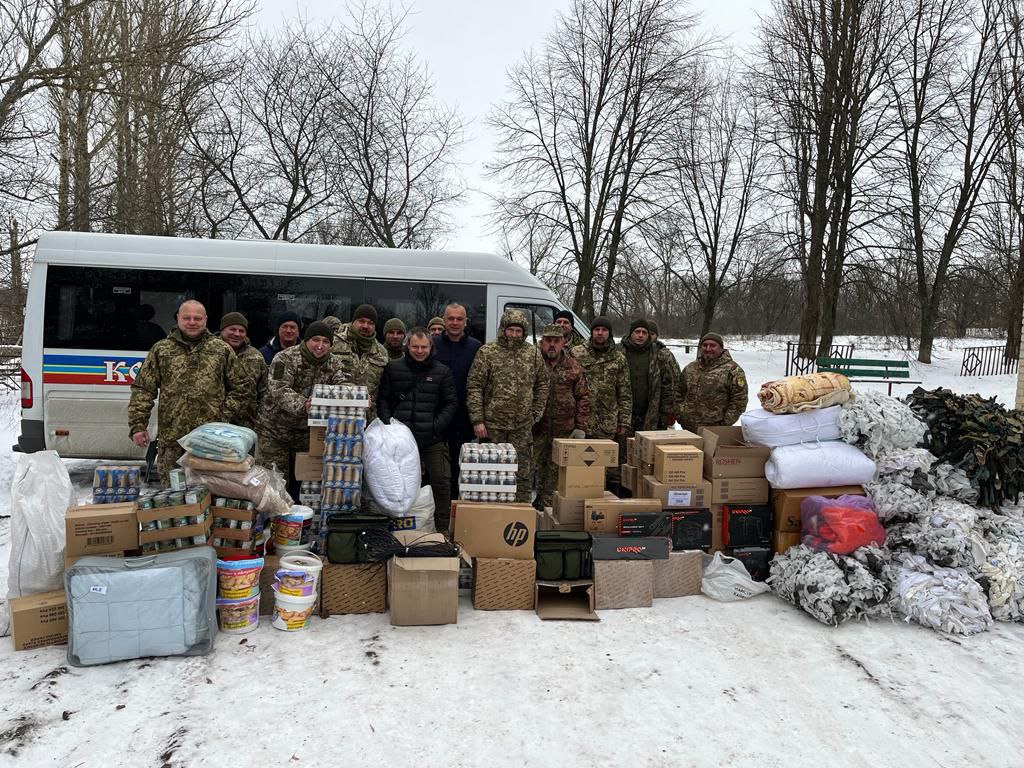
(469, 44)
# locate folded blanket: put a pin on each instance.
(801, 393)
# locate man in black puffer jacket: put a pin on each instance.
(420, 392)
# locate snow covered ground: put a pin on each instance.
(690, 682)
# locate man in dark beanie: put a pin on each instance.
(712, 390)
(234, 330)
(607, 376)
(289, 326)
(650, 382)
(668, 361)
(361, 354)
(394, 337)
(282, 427)
(435, 326)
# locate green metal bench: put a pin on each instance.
(877, 371)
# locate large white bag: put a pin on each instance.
(774, 429)
(391, 465)
(814, 465)
(40, 496)
(725, 579)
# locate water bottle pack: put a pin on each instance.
(111, 485)
(348, 401)
(487, 472)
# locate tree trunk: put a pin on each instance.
(929, 311)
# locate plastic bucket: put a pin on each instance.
(294, 583)
(238, 616)
(298, 549)
(299, 561)
(292, 613)
(293, 529)
(239, 579)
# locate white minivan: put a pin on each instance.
(97, 303)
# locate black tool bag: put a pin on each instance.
(343, 536)
(563, 555)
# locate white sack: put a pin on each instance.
(772, 430)
(818, 464)
(725, 579)
(391, 465)
(420, 516)
(40, 496)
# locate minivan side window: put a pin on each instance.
(539, 316)
(416, 302)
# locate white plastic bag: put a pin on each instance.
(40, 496)
(725, 579)
(816, 465)
(391, 465)
(760, 427)
(420, 516)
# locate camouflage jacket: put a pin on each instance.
(508, 383)
(611, 401)
(669, 363)
(660, 396)
(196, 382)
(712, 393)
(293, 372)
(568, 404)
(255, 367)
(362, 369)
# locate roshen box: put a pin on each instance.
(726, 455)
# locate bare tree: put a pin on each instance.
(581, 132)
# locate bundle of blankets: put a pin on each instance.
(946, 563)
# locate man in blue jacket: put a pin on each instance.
(289, 326)
(456, 349)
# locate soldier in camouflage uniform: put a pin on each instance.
(650, 382)
(361, 354)
(611, 400)
(282, 426)
(668, 362)
(567, 410)
(712, 389)
(197, 378)
(506, 393)
(234, 330)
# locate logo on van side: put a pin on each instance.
(120, 372)
(90, 369)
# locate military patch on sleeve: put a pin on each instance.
(278, 371)
(741, 381)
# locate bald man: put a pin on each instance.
(198, 379)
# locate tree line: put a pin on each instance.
(859, 169)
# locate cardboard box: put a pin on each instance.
(678, 576)
(630, 450)
(547, 522)
(308, 466)
(783, 540)
(356, 588)
(786, 504)
(502, 584)
(740, 490)
(99, 529)
(602, 515)
(423, 590)
(716, 528)
(271, 563)
(646, 441)
(606, 547)
(756, 560)
(39, 620)
(627, 477)
(581, 482)
(565, 600)
(494, 530)
(567, 511)
(696, 496)
(746, 525)
(200, 510)
(678, 464)
(692, 529)
(623, 584)
(317, 436)
(643, 524)
(584, 453)
(726, 455)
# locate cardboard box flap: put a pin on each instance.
(566, 600)
(727, 455)
(427, 563)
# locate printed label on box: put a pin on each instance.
(679, 498)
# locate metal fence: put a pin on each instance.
(800, 366)
(988, 361)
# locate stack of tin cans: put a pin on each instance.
(487, 472)
(116, 484)
(232, 530)
(170, 500)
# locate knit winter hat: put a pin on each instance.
(713, 337)
(367, 311)
(601, 322)
(288, 317)
(234, 318)
(553, 330)
(639, 323)
(564, 313)
(318, 328)
(394, 324)
(435, 321)
(653, 327)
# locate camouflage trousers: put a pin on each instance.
(168, 453)
(613, 475)
(522, 441)
(274, 452)
(546, 471)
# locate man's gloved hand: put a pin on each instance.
(577, 434)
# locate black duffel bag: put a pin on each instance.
(343, 536)
(563, 555)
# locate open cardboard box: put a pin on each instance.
(565, 600)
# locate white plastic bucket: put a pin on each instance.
(294, 528)
(307, 563)
(292, 613)
(239, 616)
(299, 549)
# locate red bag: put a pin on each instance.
(840, 525)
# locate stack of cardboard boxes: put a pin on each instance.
(582, 465)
